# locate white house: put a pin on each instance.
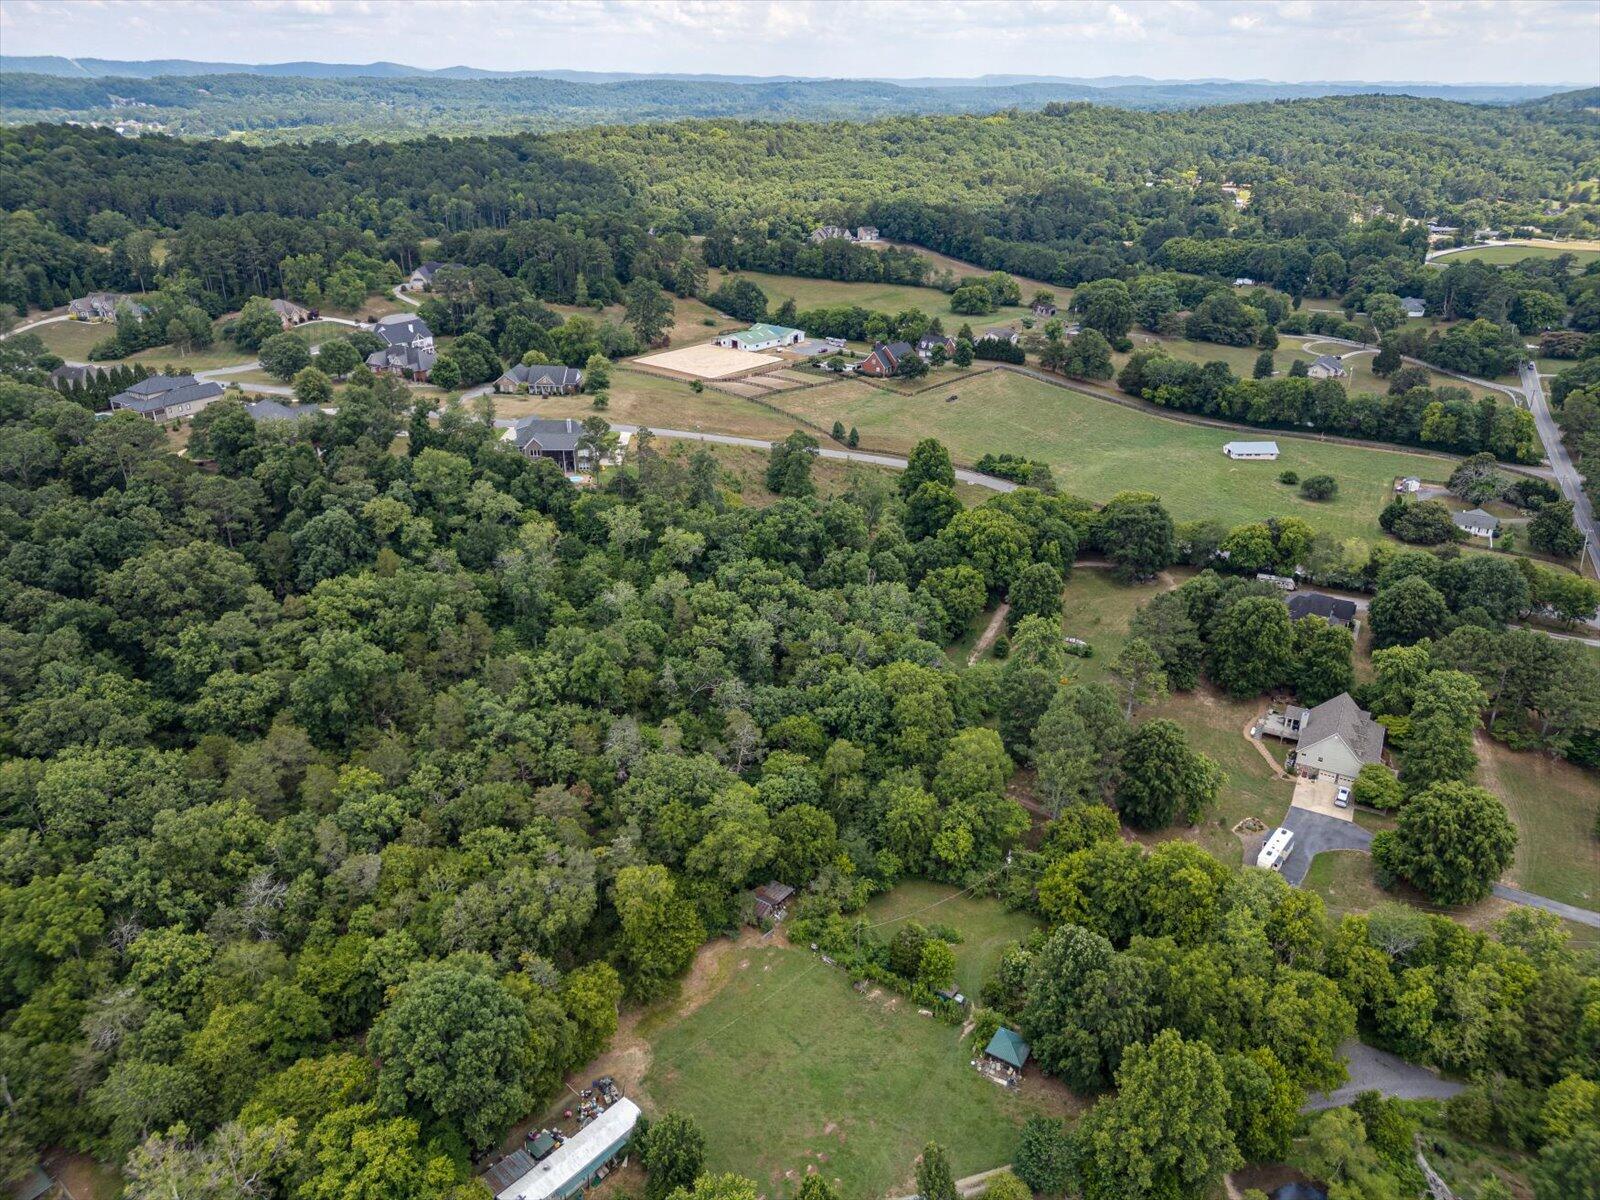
(1415, 306)
(1477, 522)
(1251, 450)
(1326, 366)
(1409, 484)
(761, 337)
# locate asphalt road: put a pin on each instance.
(1378, 1070)
(1567, 477)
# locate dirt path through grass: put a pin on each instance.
(996, 623)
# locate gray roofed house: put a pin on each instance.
(102, 306)
(1477, 522)
(1337, 738)
(884, 359)
(290, 313)
(1332, 609)
(1002, 333)
(404, 329)
(542, 379)
(68, 374)
(1326, 366)
(1415, 306)
(166, 397)
(413, 362)
(543, 437)
(422, 277)
(928, 341)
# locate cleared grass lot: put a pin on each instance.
(888, 298)
(788, 1070)
(987, 927)
(1505, 255)
(1097, 449)
(1553, 805)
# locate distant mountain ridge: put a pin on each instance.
(104, 68)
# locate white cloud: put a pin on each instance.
(1446, 40)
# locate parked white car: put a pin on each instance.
(1342, 798)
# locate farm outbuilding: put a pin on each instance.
(574, 1166)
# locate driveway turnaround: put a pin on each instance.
(1380, 1071)
(1314, 833)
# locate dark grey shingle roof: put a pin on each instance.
(1343, 718)
(165, 391)
(547, 434)
(1315, 604)
(554, 373)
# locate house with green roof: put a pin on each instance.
(762, 336)
(1007, 1047)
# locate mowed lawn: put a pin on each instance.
(985, 925)
(1098, 448)
(891, 298)
(788, 1069)
(1553, 805)
(1505, 255)
(73, 340)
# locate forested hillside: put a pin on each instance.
(389, 101)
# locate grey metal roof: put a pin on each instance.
(1343, 718)
(547, 433)
(508, 1170)
(1251, 447)
(1329, 361)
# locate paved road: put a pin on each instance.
(403, 298)
(1378, 1070)
(1571, 912)
(963, 475)
(1567, 477)
(1314, 833)
(12, 332)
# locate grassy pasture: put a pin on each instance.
(1502, 256)
(986, 927)
(888, 298)
(789, 1070)
(1553, 805)
(1098, 448)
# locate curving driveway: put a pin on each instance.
(1315, 832)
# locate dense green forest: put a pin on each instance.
(280, 105)
(355, 769)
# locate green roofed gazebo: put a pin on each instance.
(1008, 1047)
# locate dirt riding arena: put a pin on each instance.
(708, 362)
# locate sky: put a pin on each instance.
(1446, 41)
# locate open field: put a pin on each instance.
(788, 1070)
(1505, 255)
(639, 398)
(943, 262)
(1343, 878)
(888, 298)
(987, 927)
(73, 340)
(1553, 804)
(1097, 449)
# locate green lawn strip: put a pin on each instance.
(1553, 805)
(986, 926)
(1097, 448)
(1506, 255)
(787, 1068)
(890, 298)
(73, 340)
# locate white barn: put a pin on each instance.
(1265, 451)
